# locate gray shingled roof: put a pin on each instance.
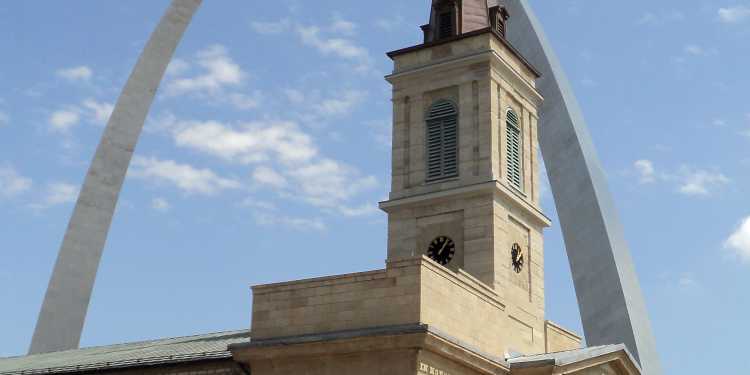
(568, 357)
(163, 351)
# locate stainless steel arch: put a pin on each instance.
(612, 307)
(67, 299)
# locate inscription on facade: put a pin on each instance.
(431, 370)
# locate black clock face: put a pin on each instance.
(441, 250)
(516, 257)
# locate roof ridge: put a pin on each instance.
(140, 342)
(585, 348)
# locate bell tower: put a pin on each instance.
(465, 160)
(462, 291)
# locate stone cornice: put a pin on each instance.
(489, 55)
(466, 191)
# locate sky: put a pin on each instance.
(268, 148)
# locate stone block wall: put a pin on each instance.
(463, 308)
(408, 291)
(559, 339)
(367, 363)
(329, 304)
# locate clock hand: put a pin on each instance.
(440, 253)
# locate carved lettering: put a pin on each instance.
(431, 370)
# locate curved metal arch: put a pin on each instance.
(66, 301)
(613, 310)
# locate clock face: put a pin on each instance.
(516, 257)
(441, 250)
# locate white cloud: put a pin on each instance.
(160, 204)
(268, 176)
(342, 26)
(342, 105)
(339, 47)
(242, 101)
(218, 81)
(98, 112)
(693, 49)
(164, 122)
(733, 15)
(57, 193)
(382, 132)
(303, 224)
(220, 72)
(739, 241)
(4, 119)
(12, 183)
(177, 67)
(687, 281)
(391, 23)
(254, 203)
(291, 161)
(251, 143)
(700, 182)
(270, 28)
(91, 110)
(646, 171)
(78, 73)
(364, 210)
(328, 183)
(60, 193)
(184, 176)
(689, 181)
(64, 119)
(316, 108)
(295, 96)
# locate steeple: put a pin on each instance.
(452, 18)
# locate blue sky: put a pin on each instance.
(209, 209)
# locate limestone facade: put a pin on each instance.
(479, 209)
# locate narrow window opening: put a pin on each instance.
(514, 149)
(442, 141)
(500, 18)
(500, 28)
(446, 24)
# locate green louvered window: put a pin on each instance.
(514, 150)
(442, 141)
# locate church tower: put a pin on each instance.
(462, 292)
(465, 165)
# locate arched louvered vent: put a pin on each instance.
(442, 141)
(514, 150)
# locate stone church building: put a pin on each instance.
(462, 292)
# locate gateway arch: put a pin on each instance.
(612, 307)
